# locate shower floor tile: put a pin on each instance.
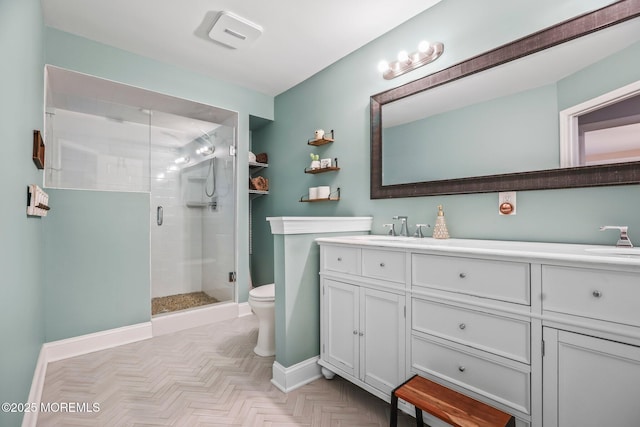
(180, 302)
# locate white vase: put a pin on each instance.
(315, 164)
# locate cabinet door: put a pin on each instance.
(589, 382)
(340, 317)
(382, 323)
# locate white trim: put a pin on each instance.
(289, 379)
(76, 346)
(244, 309)
(200, 316)
(569, 120)
(319, 224)
(30, 419)
(83, 344)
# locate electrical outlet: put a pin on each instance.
(507, 203)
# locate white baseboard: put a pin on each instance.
(174, 322)
(244, 309)
(83, 344)
(30, 419)
(76, 346)
(288, 379)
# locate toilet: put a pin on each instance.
(262, 302)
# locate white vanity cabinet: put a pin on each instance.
(547, 332)
(458, 337)
(363, 324)
(592, 349)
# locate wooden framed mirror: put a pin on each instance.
(547, 175)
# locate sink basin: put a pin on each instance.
(615, 251)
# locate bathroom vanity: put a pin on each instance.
(547, 332)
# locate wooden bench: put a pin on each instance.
(447, 405)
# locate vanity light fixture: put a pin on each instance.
(181, 160)
(426, 53)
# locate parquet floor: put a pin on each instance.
(205, 376)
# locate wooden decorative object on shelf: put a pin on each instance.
(259, 183)
(38, 150)
(262, 158)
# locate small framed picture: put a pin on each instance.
(325, 163)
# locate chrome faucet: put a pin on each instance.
(623, 241)
(392, 229)
(418, 232)
(404, 228)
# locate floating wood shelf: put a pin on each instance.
(321, 170)
(322, 141)
(257, 193)
(331, 198)
(320, 200)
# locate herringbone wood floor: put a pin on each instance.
(206, 376)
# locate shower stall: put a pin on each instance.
(105, 136)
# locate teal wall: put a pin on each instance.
(96, 262)
(338, 98)
(79, 54)
(413, 152)
(297, 263)
(21, 290)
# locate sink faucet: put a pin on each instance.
(418, 232)
(404, 228)
(392, 229)
(623, 241)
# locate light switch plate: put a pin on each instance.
(505, 199)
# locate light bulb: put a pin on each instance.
(403, 56)
(181, 160)
(383, 66)
(424, 46)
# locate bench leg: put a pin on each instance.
(394, 411)
(419, 422)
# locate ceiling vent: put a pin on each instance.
(234, 31)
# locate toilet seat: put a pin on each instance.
(263, 293)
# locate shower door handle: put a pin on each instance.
(159, 215)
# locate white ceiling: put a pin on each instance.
(300, 37)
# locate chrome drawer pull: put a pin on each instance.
(463, 275)
(461, 368)
(462, 326)
(597, 294)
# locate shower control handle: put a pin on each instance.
(159, 215)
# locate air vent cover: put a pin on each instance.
(234, 31)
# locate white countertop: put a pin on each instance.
(531, 250)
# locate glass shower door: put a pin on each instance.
(192, 216)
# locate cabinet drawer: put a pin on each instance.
(385, 265)
(504, 336)
(500, 280)
(499, 381)
(597, 294)
(341, 259)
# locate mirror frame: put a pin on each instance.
(572, 177)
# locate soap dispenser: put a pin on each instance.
(440, 229)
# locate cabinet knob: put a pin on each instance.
(339, 258)
(463, 275)
(355, 332)
(597, 294)
(361, 334)
(461, 368)
(382, 264)
(462, 326)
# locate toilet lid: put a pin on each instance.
(263, 293)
